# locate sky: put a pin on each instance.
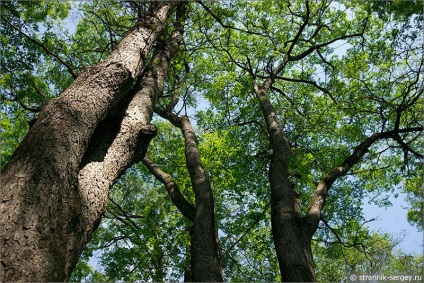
(393, 220)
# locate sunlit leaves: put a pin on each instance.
(327, 100)
(12, 132)
(414, 187)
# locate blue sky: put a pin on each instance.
(393, 220)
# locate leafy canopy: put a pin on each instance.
(354, 70)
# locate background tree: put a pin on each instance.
(276, 70)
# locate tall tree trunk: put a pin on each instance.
(48, 206)
(292, 233)
(291, 238)
(206, 262)
(205, 255)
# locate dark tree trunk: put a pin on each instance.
(206, 262)
(205, 255)
(291, 238)
(49, 204)
(292, 233)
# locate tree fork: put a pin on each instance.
(291, 240)
(44, 223)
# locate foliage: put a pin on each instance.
(375, 255)
(328, 101)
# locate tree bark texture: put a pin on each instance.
(291, 239)
(205, 255)
(206, 262)
(292, 233)
(49, 204)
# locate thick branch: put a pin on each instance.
(186, 208)
(320, 195)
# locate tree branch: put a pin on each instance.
(221, 23)
(325, 61)
(289, 99)
(26, 107)
(48, 51)
(128, 217)
(313, 48)
(247, 231)
(319, 198)
(301, 29)
(186, 208)
(311, 83)
(406, 147)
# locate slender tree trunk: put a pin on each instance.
(206, 262)
(291, 238)
(48, 206)
(205, 256)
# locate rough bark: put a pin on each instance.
(130, 144)
(205, 256)
(206, 262)
(291, 240)
(48, 207)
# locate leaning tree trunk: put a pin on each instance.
(48, 206)
(291, 237)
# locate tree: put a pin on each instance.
(205, 254)
(301, 116)
(272, 67)
(373, 254)
(62, 164)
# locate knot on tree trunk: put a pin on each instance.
(148, 131)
